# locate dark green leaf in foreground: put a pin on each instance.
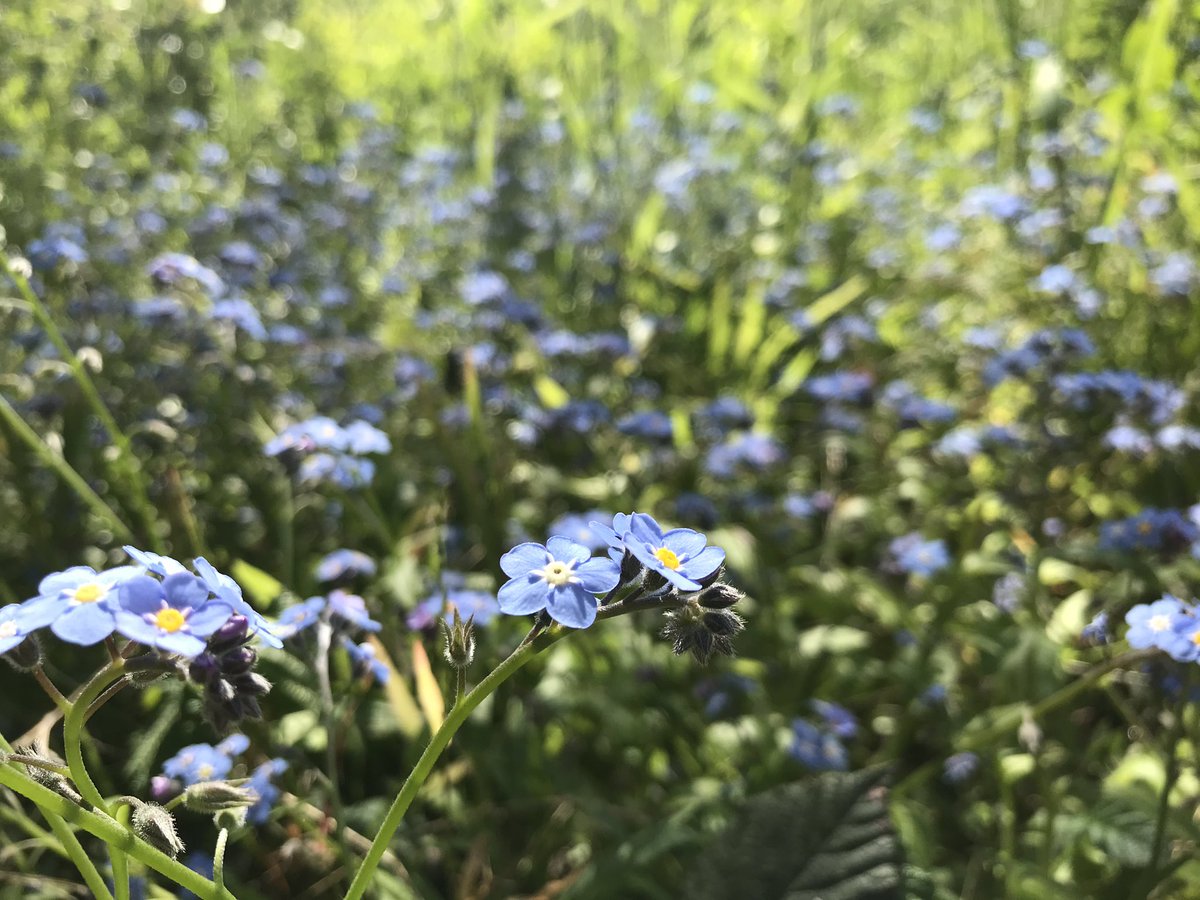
(827, 838)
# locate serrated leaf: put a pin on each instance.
(828, 838)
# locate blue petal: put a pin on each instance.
(599, 575)
(86, 624)
(141, 595)
(204, 622)
(523, 559)
(208, 572)
(567, 550)
(38, 612)
(684, 542)
(136, 628)
(705, 563)
(644, 528)
(180, 642)
(185, 590)
(523, 595)
(572, 606)
(52, 585)
(677, 578)
(8, 643)
(113, 577)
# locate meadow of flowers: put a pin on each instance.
(456, 450)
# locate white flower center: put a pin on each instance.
(1159, 623)
(8, 629)
(557, 573)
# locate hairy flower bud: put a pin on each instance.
(720, 596)
(631, 568)
(47, 778)
(231, 818)
(156, 827)
(26, 656)
(459, 641)
(233, 633)
(702, 632)
(214, 796)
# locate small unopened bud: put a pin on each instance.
(229, 635)
(26, 656)
(214, 796)
(252, 684)
(702, 632)
(239, 661)
(720, 596)
(204, 668)
(156, 827)
(47, 778)
(230, 819)
(459, 641)
(723, 623)
(712, 578)
(163, 788)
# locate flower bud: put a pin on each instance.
(238, 661)
(234, 817)
(234, 632)
(204, 668)
(26, 656)
(156, 827)
(48, 779)
(459, 641)
(720, 596)
(702, 632)
(252, 684)
(631, 568)
(215, 796)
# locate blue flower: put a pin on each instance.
(353, 609)
(200, 762)
(364, 658)
(298, 617)
(344, 564)
(916, 556)
(159, 565)
(456, 596)
(79, 603)
(681, 556)
(959, 767)
(1096, 631)
(1155, 624)
(19, 620)
(229, 592)
(579, 528)
(651, 424)
(174, 615)
(838, 719)
(561, 577)
(268, 794)
(815, 748)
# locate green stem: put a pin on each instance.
(108, 830)
(73, 731)
(441, 738)
(74, 850)
(64, 471)
(1164, 801)
(79, 371)
(51, 690)
(219, 861)
(120, 868)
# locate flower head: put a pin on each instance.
(78, 603)
(353, 609)
(1154, 624)
(681, 556)
(560, 577)
(174, 615)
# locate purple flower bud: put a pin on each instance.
(238, 661)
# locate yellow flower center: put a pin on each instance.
(1196, 637)
(8, 629)
(667, 558)
(557, 573)
(205, 771)
(169, 620)
(1145, 527)
(90, 592)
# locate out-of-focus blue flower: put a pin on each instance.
(174, 615)
(1164, 530)
(17, 623)
(262, 785)
(1096, 631)
(959, 767)
(298, 617)
(344, 564)
(817, 749)
(754, 452)
(1056, 279)
(911, 408)
(681, 556)
(914, 555)
(1175, 275)
(204, 762)
(561, 577)
(1008, 591)
(456, 597)
(351, 608)
(242, 314)
(578, 527)
(841, 387)
(838, 719)
(170, 269)
(651, 424)
(364, 658)
(483, 287)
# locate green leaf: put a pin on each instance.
(262, 588)
(829, 838)
(1115, 826)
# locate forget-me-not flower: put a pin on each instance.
(560, 577)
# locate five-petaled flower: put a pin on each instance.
(174, 615)
(560, 577)
(79, 603)
(681, 555)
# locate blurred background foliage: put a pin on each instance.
(746, 195)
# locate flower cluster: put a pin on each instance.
(1157, 530)
(202, 772)
(330, 452)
